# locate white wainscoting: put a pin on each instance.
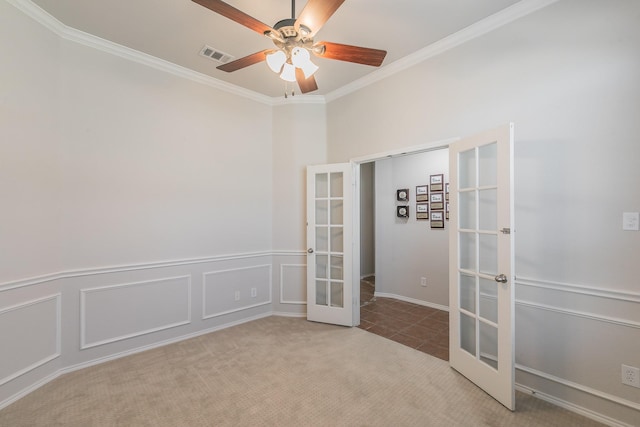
(122, 311)
(30, 334)
(291, 278)
(601, 324)
(231, 290)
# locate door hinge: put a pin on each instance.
(505, 230)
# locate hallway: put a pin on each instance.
(423, 328)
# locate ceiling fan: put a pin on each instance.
(293, 39)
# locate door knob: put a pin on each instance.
(501, 278)
(310, 250)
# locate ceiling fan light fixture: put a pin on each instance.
(288, 73)
(276, 60)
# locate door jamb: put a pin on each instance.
(356, 162)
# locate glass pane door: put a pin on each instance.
(328, 234)
(481, 259)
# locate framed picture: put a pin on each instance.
(422, 193)
(402, 211)
(446, 191)
(422, 210)
(437, 201)
(437, 219)
(402, 195)
(446, 210)
(437, 182)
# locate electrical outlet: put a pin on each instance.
(631, 376)
(254, 292)
(423, 282)
(237, 295)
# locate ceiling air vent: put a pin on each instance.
(215, 54)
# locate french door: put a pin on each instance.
(330, 297)
(481, 259)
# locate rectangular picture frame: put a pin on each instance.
(437, 219)
(437, 201)
(422, 211)
(422, 193)
(436, 182)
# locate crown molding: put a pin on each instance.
(497, 20)
(68, 33)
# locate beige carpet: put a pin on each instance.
(276, 372)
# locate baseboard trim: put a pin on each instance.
(571, 407)
(411, 300)
(588, 390)
(76, 367)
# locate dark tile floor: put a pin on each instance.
(424, 328)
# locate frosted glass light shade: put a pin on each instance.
(308, 69)
(288, 73)
(299, 56)
(276, 60)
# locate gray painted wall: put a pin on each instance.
(567, 76)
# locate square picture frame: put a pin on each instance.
(402, 211)
(402, 195)
(436, 182)
(422, 193)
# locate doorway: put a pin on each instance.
(398, 254)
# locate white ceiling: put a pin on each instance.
(176, 31)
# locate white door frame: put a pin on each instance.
(357, 161)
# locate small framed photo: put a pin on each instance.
(402, 211)
(437, 182)
(437, 219)
(422, 193)
(437, 201)
(402, 195)
(446, 187)
(422, 211)
(446, 210)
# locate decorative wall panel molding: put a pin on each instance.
(614, 306)
(118, 312)
(580, 289)
(231, 290)
(130, 267)
(40, 321)
(293, 284)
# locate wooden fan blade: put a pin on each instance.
(345, 52)
(316, 13)
(306, 85)
(245, 61)
(234, 14)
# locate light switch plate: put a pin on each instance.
(631, 221)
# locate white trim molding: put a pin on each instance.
(497, 20)
(580, 289)
(412, 300)
(610, 294)
(282, 268)
(493, 22)
(58, 332)
(269, 300)
(130, 267)
(83, 311)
